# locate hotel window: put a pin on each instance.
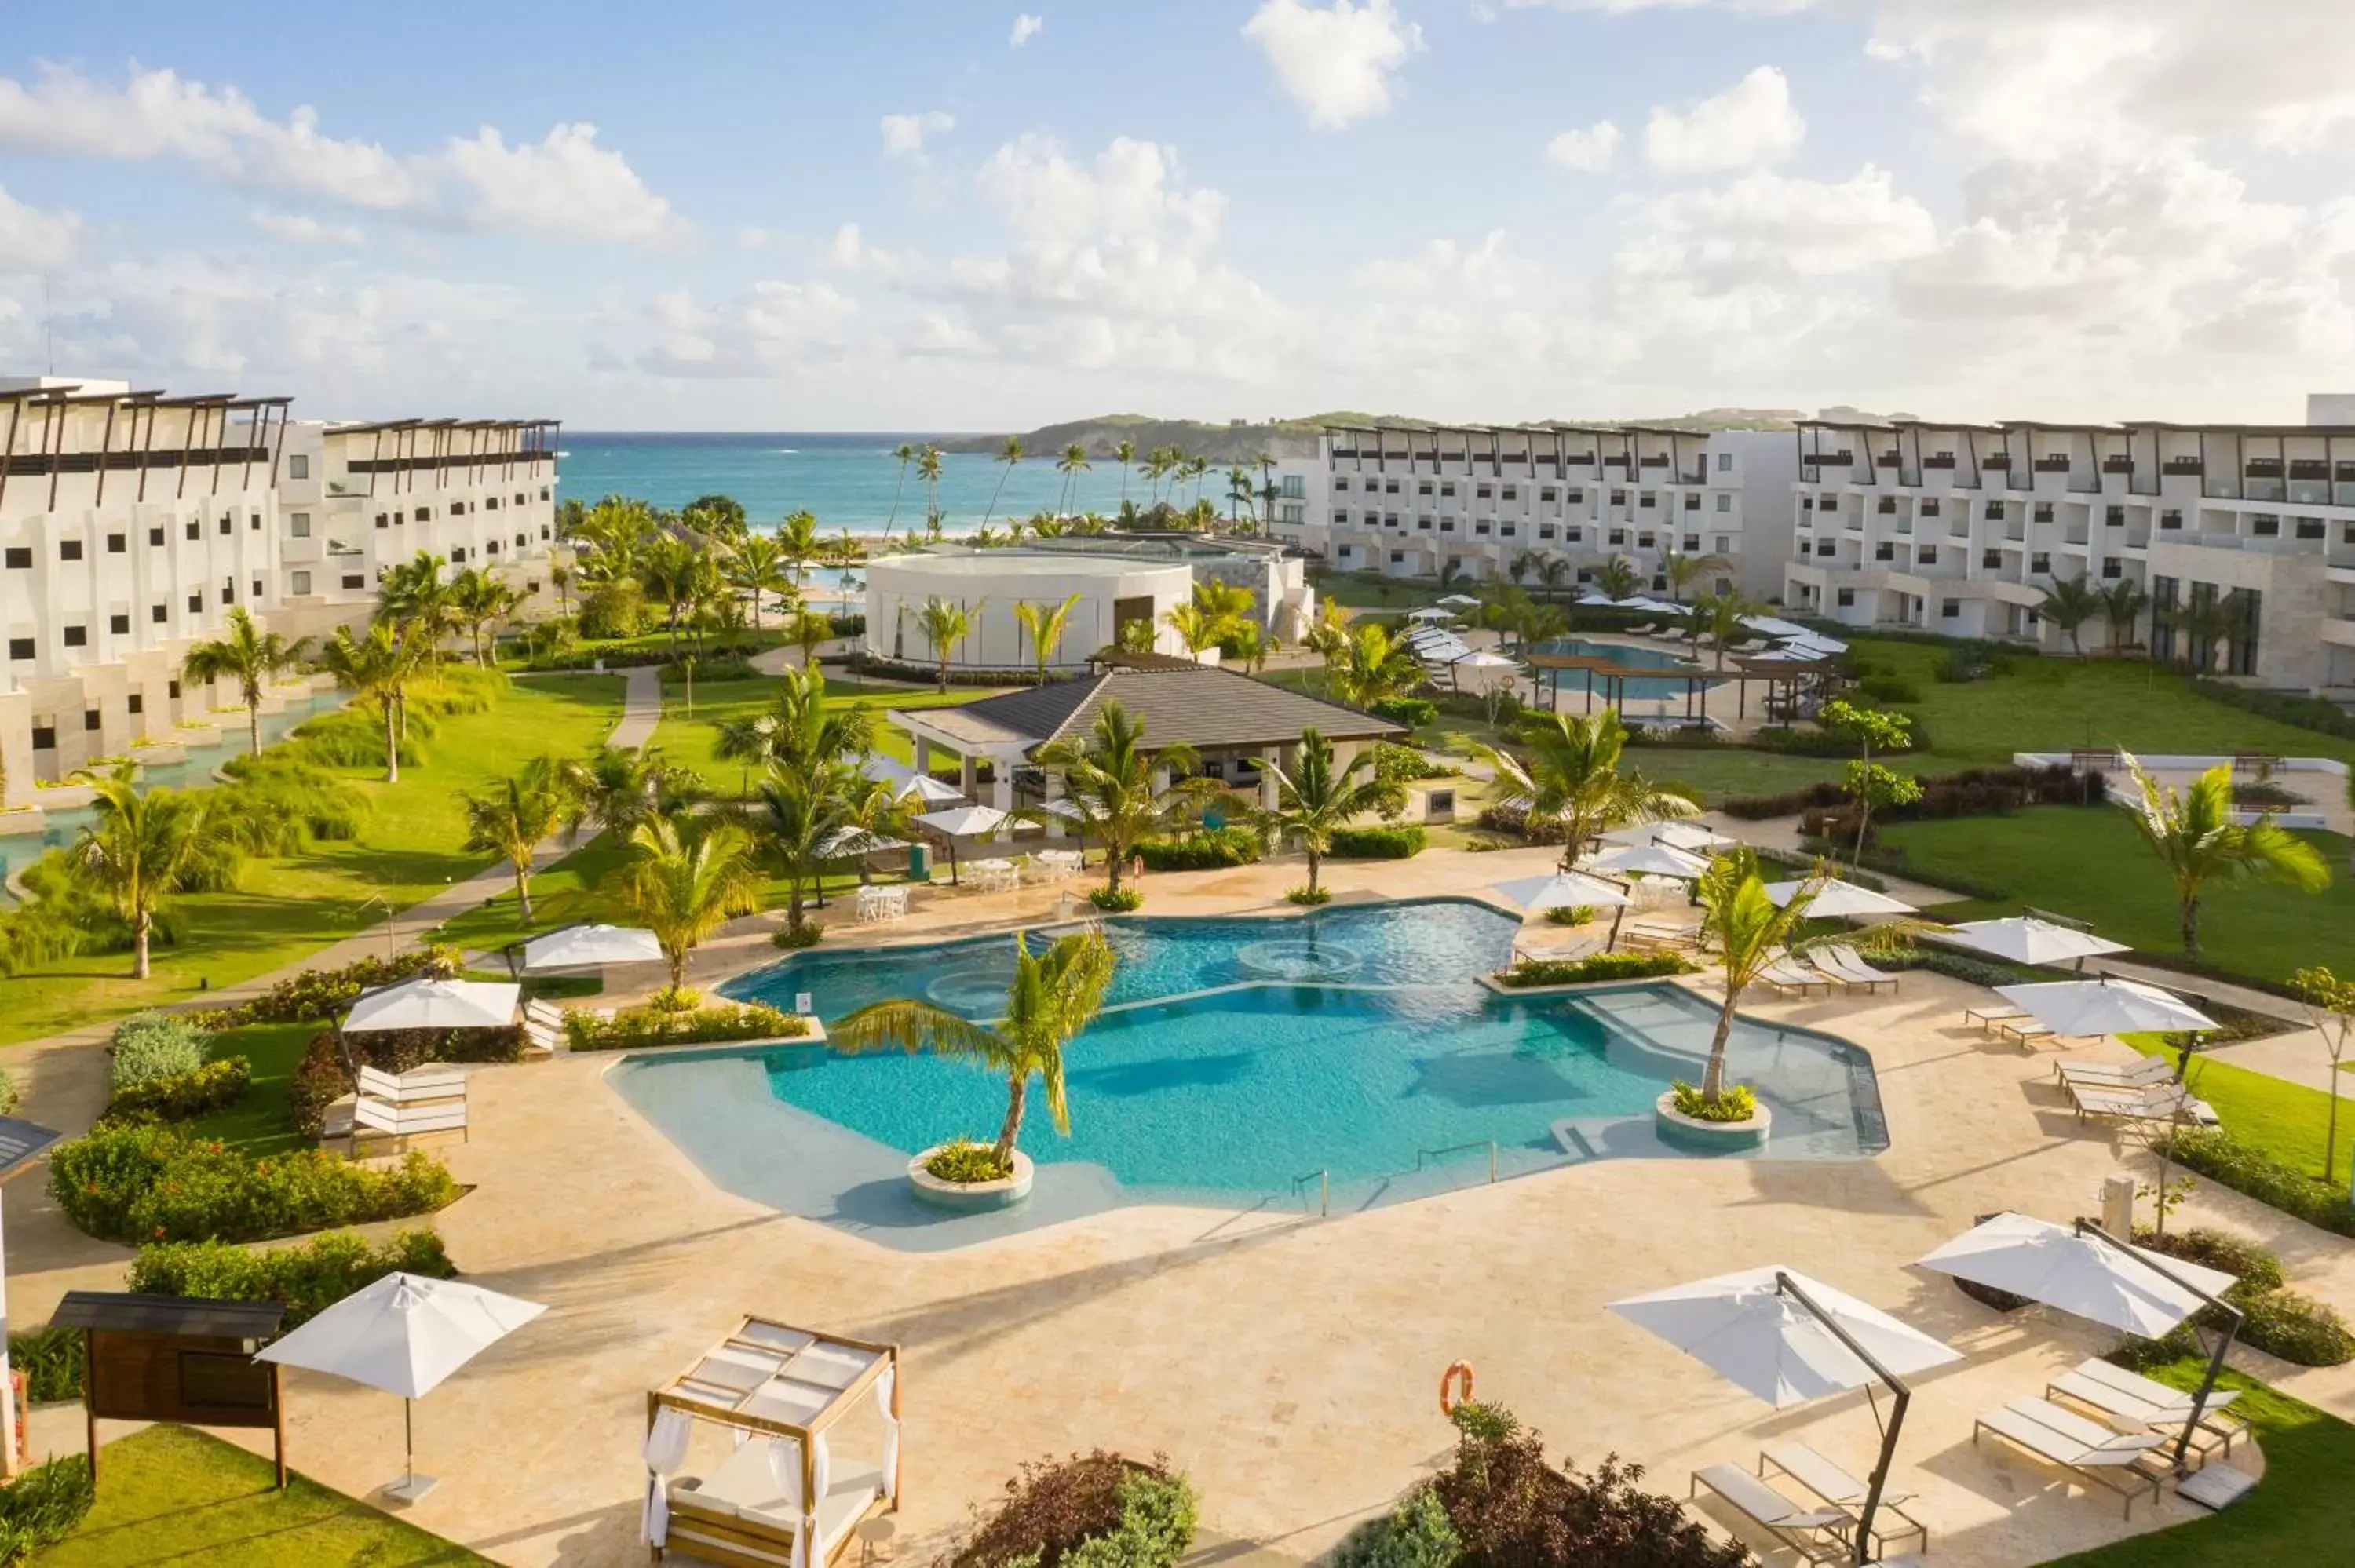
(1347, 551)
(1574, 497)
(1509, 530)
(76, 636)
(1339, 482)
(1423, 525)
(2109, 569)
(543, 493)
(1692, 502)
(1884, 551)
(226, 526)
(1296, 488)
(1643, 541)
(20, 557)
(1648, 499)
(1724, 502)
(160, 614)
(1618, 537)
(1927, 506)
(1692, 544)
(1481, 527)
(1991, 560)
(90, 718)
(1341, 517)
(117, 542)
(69, 549)
(2114, 516)
(1374, 520)
(2039, 564)
(1546, 492)
(229, 590)
(172, 689)
(1390, 487)
(353, 580)
(1546, 531)
(1724, 462)
(1927, 556)
(1949, 608)
(1447, 525)
(1618, 498)
(298, 467)
(154, 537)
(1512, 492)
(1424, 488)
(2169, 521)
(1573, 536)
(1846, 598)
(382, 521)
(2310, 528)
(301, 583)
(298, 524)
(521, 540)
(257, 588)
(1827, 547)
(2265, 525)
(119, 625)
(253, 521)
(1723, 546)
(2044, 512)
(45, 737)
(1398, 557)
(1447, 487)
(135, 704)
(195, 531)
(1995, 512)
(195, 604)
(20, 648)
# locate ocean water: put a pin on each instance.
(849, 480)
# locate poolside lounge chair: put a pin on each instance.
(1655, 934)
(1814, 1534)
(2129, 1396)
(2141, 1072)
(2024, 1030)
(2128, 1465)
(542, 1040)
(1989, 1019)
(1786, 975)
(539, 1010)
(419, 1085)
(392, 1110)
(2154, 1102)
(1843, 965)
(1840, 1489)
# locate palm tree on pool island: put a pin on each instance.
(1572, 779)
(2199, 841)
(248, 655)
(1055, 995)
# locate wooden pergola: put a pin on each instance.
(780, 1500)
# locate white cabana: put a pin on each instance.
(403, 1334)
(2025, 939)
(589, 946)
(429, 1003)
(2106, 1006)
(1651, 860)
(1787, 1338)
(2089, 1274)
(1837, 900)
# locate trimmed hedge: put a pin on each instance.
(306, 1279)
(1210, 848)
(715, 1024)
(150, 1045)
(322, 993)
(2284, 708)
(2246, 1168)
(1126, 901)
(1596, 967)
(1412, 712)
(214, 1086)
(2284, 1323)
(1973, 792)
(1403, 842)
(151, 1182)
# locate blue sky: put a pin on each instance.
(963, 215)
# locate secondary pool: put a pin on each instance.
(1638, 688)
(1244, 1064)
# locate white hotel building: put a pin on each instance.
(131, 522)
(1411, 501)
(1960, 529)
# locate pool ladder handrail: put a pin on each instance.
(1487, 1143)
(1323, 1180)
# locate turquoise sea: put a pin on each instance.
(849, 480)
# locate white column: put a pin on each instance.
(964, 775)
(924, 754)
(1269, 758)
(1001, 796)
(1056, 825)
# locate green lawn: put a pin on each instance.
(2288, 1121)
(2090, 864)
(694, 739)
(172, 1495)
(260, 1125)
(288, 908)
(2297, 1516)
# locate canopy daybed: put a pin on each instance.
(780, 1499)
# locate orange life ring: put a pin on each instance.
(1447, 1385)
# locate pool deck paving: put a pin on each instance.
(1290, 1364)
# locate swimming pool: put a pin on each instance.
(1623, 654)
(1210, 1081)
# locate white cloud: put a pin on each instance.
(752, 236)
(32, 240)
(773, 328)
(849, 252)
(1130, 193)
(1749, 123)
(904, 134)
(1337, 61)
(300, 229)
(1624, 7)
(1026, 27)
(1452, 272)
(566, 185)
(1591, 151)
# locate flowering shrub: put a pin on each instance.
(156, 1046)
(656, 1025)
(308, 1280)
(147, 1181)
(322, 993)
(321, 1079)
(214, 1086)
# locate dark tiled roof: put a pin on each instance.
(1198, 707)
(169, 1315)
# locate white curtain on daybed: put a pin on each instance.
(664, 1452)
(785, 1469)
(883, 1387)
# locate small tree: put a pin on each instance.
(1572, 778)
(1115, 784)
(945, 625)
(143, 847)
(512, 819)
(1868, 781)
(2122, 605)
(1313, 798)
(2197, 837)
(1043, 623)
(2330, 1002)
(2068, 604)
(248, 655)
(685, 889)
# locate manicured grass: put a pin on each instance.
(2060, 705)
(288, 908)
(260, 1125)
(2288, 1121)
(2090, 864)
(172, 1495)
(2299, 1515)
(1727, 774)
(694, 739)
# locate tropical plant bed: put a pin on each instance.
(717, 1023)
(1680, 1125)
(1596, 968)
(962, 1195)
(1092, 1511)
(151, 1182)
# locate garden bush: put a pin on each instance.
(2280, 1323)
(1973, 792)
(1094, 1510)
(716, 666)
(2257, 1269)
(846, 625)
(1404, 765)
(322, 993)
(1736, 1102)
(809, 934)
(214, 1086)
(43, 1507)
(1210, 849)
(353, 737)
(1891, 689)
(962, 1161)
(1399, 842)
(2296, 1328)
(1309, 897)
(1570, 914)
(1515, 821)
(2305, 713)
(8, 1093)
(2246, 1169)
(1412, 712)
(156, 1046)
(150, 1182)
(1595, 967)
(1987, 972)
(1417, 1533)
(50, 1359)
(1126, 901)
(306, 1279)
(717, 1023)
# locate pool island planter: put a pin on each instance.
(1692, 1132)
(970, 1197)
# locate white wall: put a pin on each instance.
(897, 587)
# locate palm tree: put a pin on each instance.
(1742, 923)
(417, 601)
(478, 600)
(2206, 627)
(248, 655)
(945, 625)
(685, 889)
(757, 566)
(1682, 571)
(1555, 574)
(1572, 778)
(2195, 837)
(2122, 605)
(1313, 799)
(1156, 467)
(1197, 467)
(906, 454)
(928, 468)
(616, 789)
(2068, 604)
(810, 628)
(1070, 465)
(1110, 780)
(378, 667)
(1195, 627)
(1055, 995)
(1126, 453)
(802, 730)
(1618, 578)
(142, 847)
(797, 543)
(1368, 665)
(1044, 624)
(1009, 454)
(512, 819)
(800, 812)
(1721, 617)
(1241, 491)
(1252, 645)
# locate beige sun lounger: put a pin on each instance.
(1842, 1490)
(1786, 975)
(1814, 1534)
(1842, 965)
(2154, 1405)
(2024, 1030)
(2154, 1102)
(419, 1085)
(1987, 1019)
(2127, 1465)
(2143, 1072)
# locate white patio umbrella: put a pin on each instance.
(1693, 838)
(1465, 600)
(582, 947)
(1773, 626)
(1651, 860)
(1562, 890)
(963, 822)
(1787, 1338)
(2025, 939)
(403, 1334)
(2087, 1273)
(2105, 1006)
(1431, 612)
(850, 844)
(1837, 900)
(906, 781)
(429, 1003)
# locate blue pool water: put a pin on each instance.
(1620, 654)
(1221, 1076)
